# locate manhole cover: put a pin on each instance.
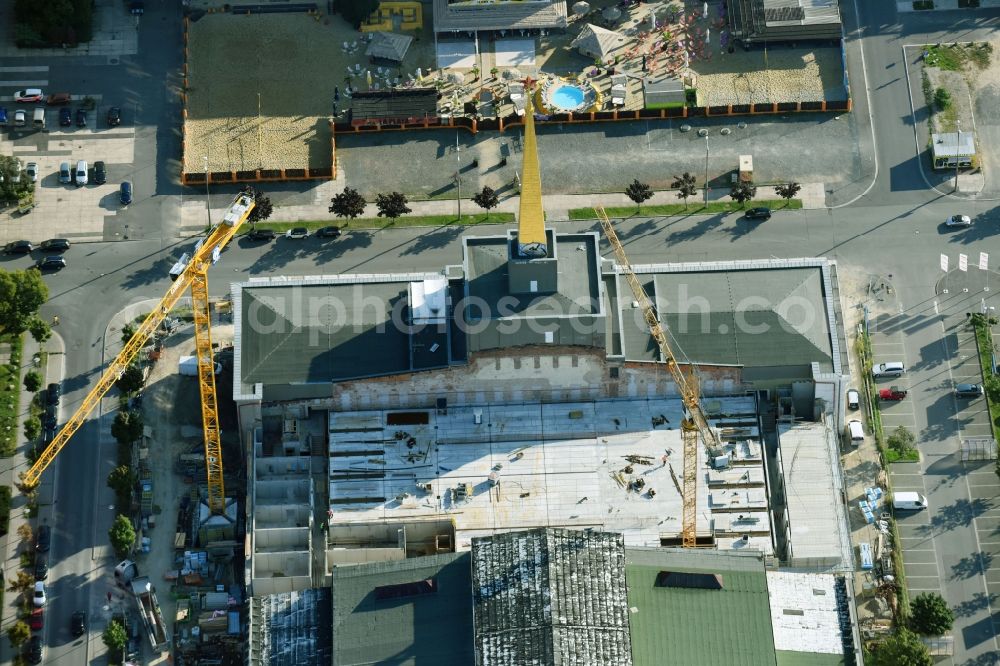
(703, 132)
(741, 125)
(113, 61)
(725, 131)
(685, 128)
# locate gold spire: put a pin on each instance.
(531, 239)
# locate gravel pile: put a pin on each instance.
(777, 75)
(289, 64)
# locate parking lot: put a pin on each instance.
(65, 210)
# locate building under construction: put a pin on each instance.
(396, 420)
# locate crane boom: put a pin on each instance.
(695, 423)
(193, 276)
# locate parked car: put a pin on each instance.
(853, 399)
(65, 173)
(329, 232)
(297, 233)
(958, 221)
(80, 175)
(761, 213)
(114, 116)
(968, 390)
(20, 118)
(18, 247)
(125, 193)
(54, 245)
(37, 619)
(3, 116)
(81, 117)
(53, 262)
(891, 369)
(43, 539)
(52, 393)
(41, 566)
(29, 95)
(100, 173)
(78, 623)
(892, 393)
(65, 117)
(33, 652)
(261, 235)
(39, 597)
(59, 98)
(31, 170)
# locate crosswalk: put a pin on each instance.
(18, 77)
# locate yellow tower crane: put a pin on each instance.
(195, 277)
(694, 422)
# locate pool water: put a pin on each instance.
(567, 97)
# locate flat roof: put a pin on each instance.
(804, 615)
(694, 625)
(579, 288)
(391, 626)
(535, 14)
(735, 314)
(557, 465)
(816, 521)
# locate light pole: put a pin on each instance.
(208, 196)
(706, 169)
(458, 176)
(958, 147)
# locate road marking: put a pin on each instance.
(25, 68)
(31, 83)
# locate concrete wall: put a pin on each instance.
(339, 557)
(283, 466)
(282, 492)
(281, 516)
(281, 538)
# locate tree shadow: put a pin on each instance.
(349, 241)
(959, 514)
(435, 239)
(149, 274)
(971, 565)
(702, 227)
(985, 659)
(972, 606)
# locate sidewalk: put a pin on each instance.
(10, 468)
(557, 206)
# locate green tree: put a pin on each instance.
(392, 205)
(131, 380)
(942, 98)
(128, 330)
(638, 192)
(743, 192)
(39, 329)
(487, 198)
(901, 440)
(349, 204)
(685, 186)
(18, 634)
(32, 428)
(262, 208)
(21, 294)
(121, 480)
(22, 583)
(127, 427)
(787, 191)
(930, 614)
(901, 649)
(115, 637)
(122, 535)
(32, 381)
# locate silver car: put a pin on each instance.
(65, 173)
(958, 221)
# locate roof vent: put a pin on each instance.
(691, 581)
(401, 590)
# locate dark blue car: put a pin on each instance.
(125, 193)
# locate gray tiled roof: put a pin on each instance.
(499, 16)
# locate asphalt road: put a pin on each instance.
(894, 229)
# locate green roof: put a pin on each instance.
(433, 628)
(699, 627)
(786, 658)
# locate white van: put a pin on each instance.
(855, 432)
(39, 118)
(81, 173)
(907, 501)
(894, 369)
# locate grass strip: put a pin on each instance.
(984, 344)
(693, 208)
(10, 399)
(4, 510)
(383, 223)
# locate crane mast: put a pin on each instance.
(694, 422)
(193, 277)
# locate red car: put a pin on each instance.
(892, 393)
(37, 619)
(59, 98)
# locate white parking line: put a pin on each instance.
(24, 84)
(24, 68)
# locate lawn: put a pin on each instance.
(4, 509)
(892, 455)
(381, 222)
(984, 344)
(694, 208)
(10, 396)
(955, 57)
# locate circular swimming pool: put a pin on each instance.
(567, 97)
